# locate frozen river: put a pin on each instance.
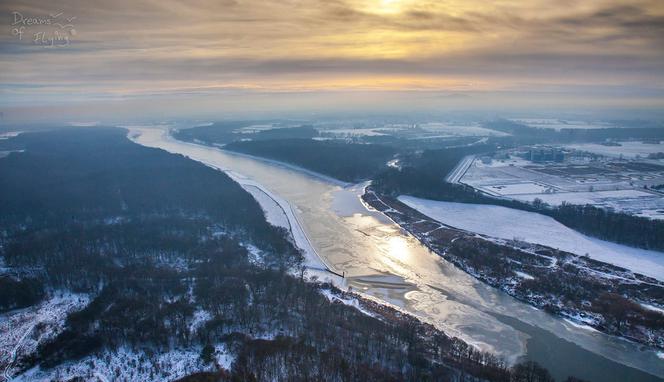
(382, 261)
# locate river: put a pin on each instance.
(384, 262)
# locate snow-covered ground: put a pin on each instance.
(627, 149)
(518, 188)
(518, 179)
(507, 223)
(452, 129)
(128, 365)
(273, 213)
(587, 197)
(354, 302)
(21, 331)
(635, 202)
(559, 124)
(9, 134)
(653, 308)
(353, 132)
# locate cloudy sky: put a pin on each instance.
(144, 54)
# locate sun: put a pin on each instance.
(384, 7)
(398, 248)
(389, 6)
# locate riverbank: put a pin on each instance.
(275, 162)
(576, 288)
(272, 206)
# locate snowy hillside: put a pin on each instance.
(507, 223)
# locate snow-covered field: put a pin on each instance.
(518, 179)
(517, 188)
(9, 134)
(589, 197)
(451, 129)
(558, 124)
(21, 331)
(626, 149)
(507, 223)
(353, 132)
(634, 202)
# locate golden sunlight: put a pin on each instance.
(389, 6)
(398, 248)
(386, 7)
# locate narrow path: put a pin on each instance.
(12, 357)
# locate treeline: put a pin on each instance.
(227, 132)
(345, 161)
(147, 235)
(526, 134)
(608, 225)
(19, 293)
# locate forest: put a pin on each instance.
(226, 132)
(155, 239)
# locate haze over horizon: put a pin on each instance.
(161, 59)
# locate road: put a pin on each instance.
(460, 170)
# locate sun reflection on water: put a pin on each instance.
(398, 248)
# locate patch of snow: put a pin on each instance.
(129, 365)
(22, 331)
(507, 223)
(354, 302)
(580, 326)
(9, 134)
(353, 132)
(588, 197)
(199, 319)
(461, 130)
(224, 358)
(653, 308)
(85, 124)
(518, 188)
(559, 124)
(524, 275)
(274, 214)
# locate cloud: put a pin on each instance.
(128, 47)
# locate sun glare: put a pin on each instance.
(398, 248)
(389, 6)
(386, 7)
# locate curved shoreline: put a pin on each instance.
(290, 166)
(314, 262)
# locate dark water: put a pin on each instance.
(564, 358)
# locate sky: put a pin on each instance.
(83, 58)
